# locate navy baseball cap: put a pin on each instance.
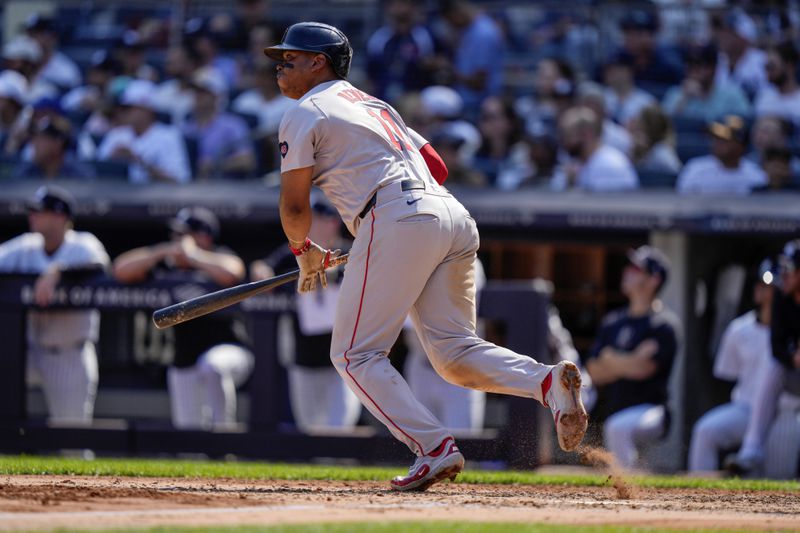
(790, 256)
(54, 199)
(650, 260)
(195, 219)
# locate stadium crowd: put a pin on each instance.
(700, 98)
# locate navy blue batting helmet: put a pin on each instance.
(316, 37)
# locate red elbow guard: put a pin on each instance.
(435, 164)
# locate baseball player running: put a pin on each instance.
(61, 343)
(414, 252)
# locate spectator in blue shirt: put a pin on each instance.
(478, 54)
(699, 96)
(224, 147)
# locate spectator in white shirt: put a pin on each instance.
(57, 68)
(24, 55)
(624, 100)
(739, 61)
(593, 166)
(155, 151)
(591, 95)
(264, 100)
(782, 98)
(725, 170)
(174, 95)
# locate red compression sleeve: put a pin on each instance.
(435, 164)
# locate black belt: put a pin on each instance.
(408, 184)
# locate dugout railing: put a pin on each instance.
(519, 306)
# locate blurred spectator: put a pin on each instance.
(740, 62)
(448, 146)
(685, 22)
(60, 342)
(632, 358)
(771, 132)
(91, 97)
(13, 116)
(155, 151)
(543, 156)
(174, 95)
(204, 48)
(502, 156)
(400, 54)
(654, 67)
(770, 444)
(211, 358)
(553, 92)
(592, 166)
(777, 165)
(319, 397)
(725, 170)
(592, 95)
(264, 101)
(782, 97)
(57, 68)
(225, 149)
(654, 142)
(131, 53)
(53, 156)
(478, 51)
(700, 95)
(233, 31)
(24, 55)
(260, 37)
(744, 350)
(624, 100)
(442, 110)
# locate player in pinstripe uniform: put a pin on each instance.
(771, 442)
(743, 353)
(61, 343)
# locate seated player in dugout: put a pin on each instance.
(414, 253)
(211, 354)
(631, 360)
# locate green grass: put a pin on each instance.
(10, 465)
(410, 527)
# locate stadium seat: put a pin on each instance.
(657, 180)
(688, 125)
(110, 169)
(692, 145)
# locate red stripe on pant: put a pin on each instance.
(353, 339)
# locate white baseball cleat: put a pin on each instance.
(561, 391)
(442, 463)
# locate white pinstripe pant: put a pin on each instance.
(203, 396)
(69, 380)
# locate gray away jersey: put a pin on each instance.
(25, 254)
(355, 142)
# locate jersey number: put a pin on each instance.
(392, 129)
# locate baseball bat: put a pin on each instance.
(214, 301)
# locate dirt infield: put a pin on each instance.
(44, 502)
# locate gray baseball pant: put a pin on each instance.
(414, 254)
